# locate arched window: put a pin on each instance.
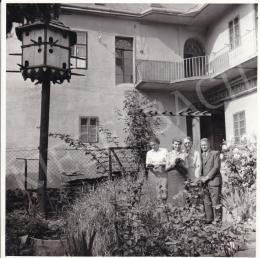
(194, 58)
(192, 48)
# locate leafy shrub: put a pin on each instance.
(19, 223)
(139, 125)
(239, 190)
(16, 223)
(129, 222)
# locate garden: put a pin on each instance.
(121, 218)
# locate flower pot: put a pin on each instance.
(48, 247)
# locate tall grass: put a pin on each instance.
(96, 212)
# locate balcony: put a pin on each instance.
(170, 72)
(226, 60)
(151, 74)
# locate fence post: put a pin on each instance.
(25, 174)
(25, 170)
(118, 161)
(110, 163)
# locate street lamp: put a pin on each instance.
(46, 53)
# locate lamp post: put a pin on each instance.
(46, 53)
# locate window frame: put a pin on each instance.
(75, 51)
(237, 127)
(97, 127)
(234, 41)
(133, 59)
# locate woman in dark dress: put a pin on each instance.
(177, 173)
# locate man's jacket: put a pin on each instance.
(211, 168)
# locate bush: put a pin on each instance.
(129, 222)
(19, 223)
(140, 126)
(239, 189)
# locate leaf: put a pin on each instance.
(129, 242)
(173, 242)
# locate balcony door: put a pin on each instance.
(194, 58)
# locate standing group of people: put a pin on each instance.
(168, 171)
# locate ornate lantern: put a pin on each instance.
(46, 51)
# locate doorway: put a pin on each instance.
(213, 128)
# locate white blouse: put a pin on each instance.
(156, 157)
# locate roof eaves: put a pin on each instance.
(150, 10)
(98, 10)
(157, 10)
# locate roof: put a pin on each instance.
(54, 25)
(139, 8)
(186, 14)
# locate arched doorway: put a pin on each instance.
(194, 58)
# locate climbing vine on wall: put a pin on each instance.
(139, 125)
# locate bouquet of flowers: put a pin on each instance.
(179, 161)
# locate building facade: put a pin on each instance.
(181, 57)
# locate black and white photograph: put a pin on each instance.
(129, 129)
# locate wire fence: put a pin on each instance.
(66, 165)
(70, 172)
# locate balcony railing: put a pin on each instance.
(197, 67)
(219, 64)
(160, 71)
(227, 58)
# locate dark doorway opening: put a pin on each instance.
(189, 126)
(213, 128)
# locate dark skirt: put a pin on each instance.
(176, 179)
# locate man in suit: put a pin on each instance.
(211, 176)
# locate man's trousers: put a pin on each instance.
(212, 203)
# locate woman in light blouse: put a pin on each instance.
(155, 162)
(175, 168)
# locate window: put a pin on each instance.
(239, 126)
(88, 129)
(234, 33)
(80, 50)
(124, 60)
